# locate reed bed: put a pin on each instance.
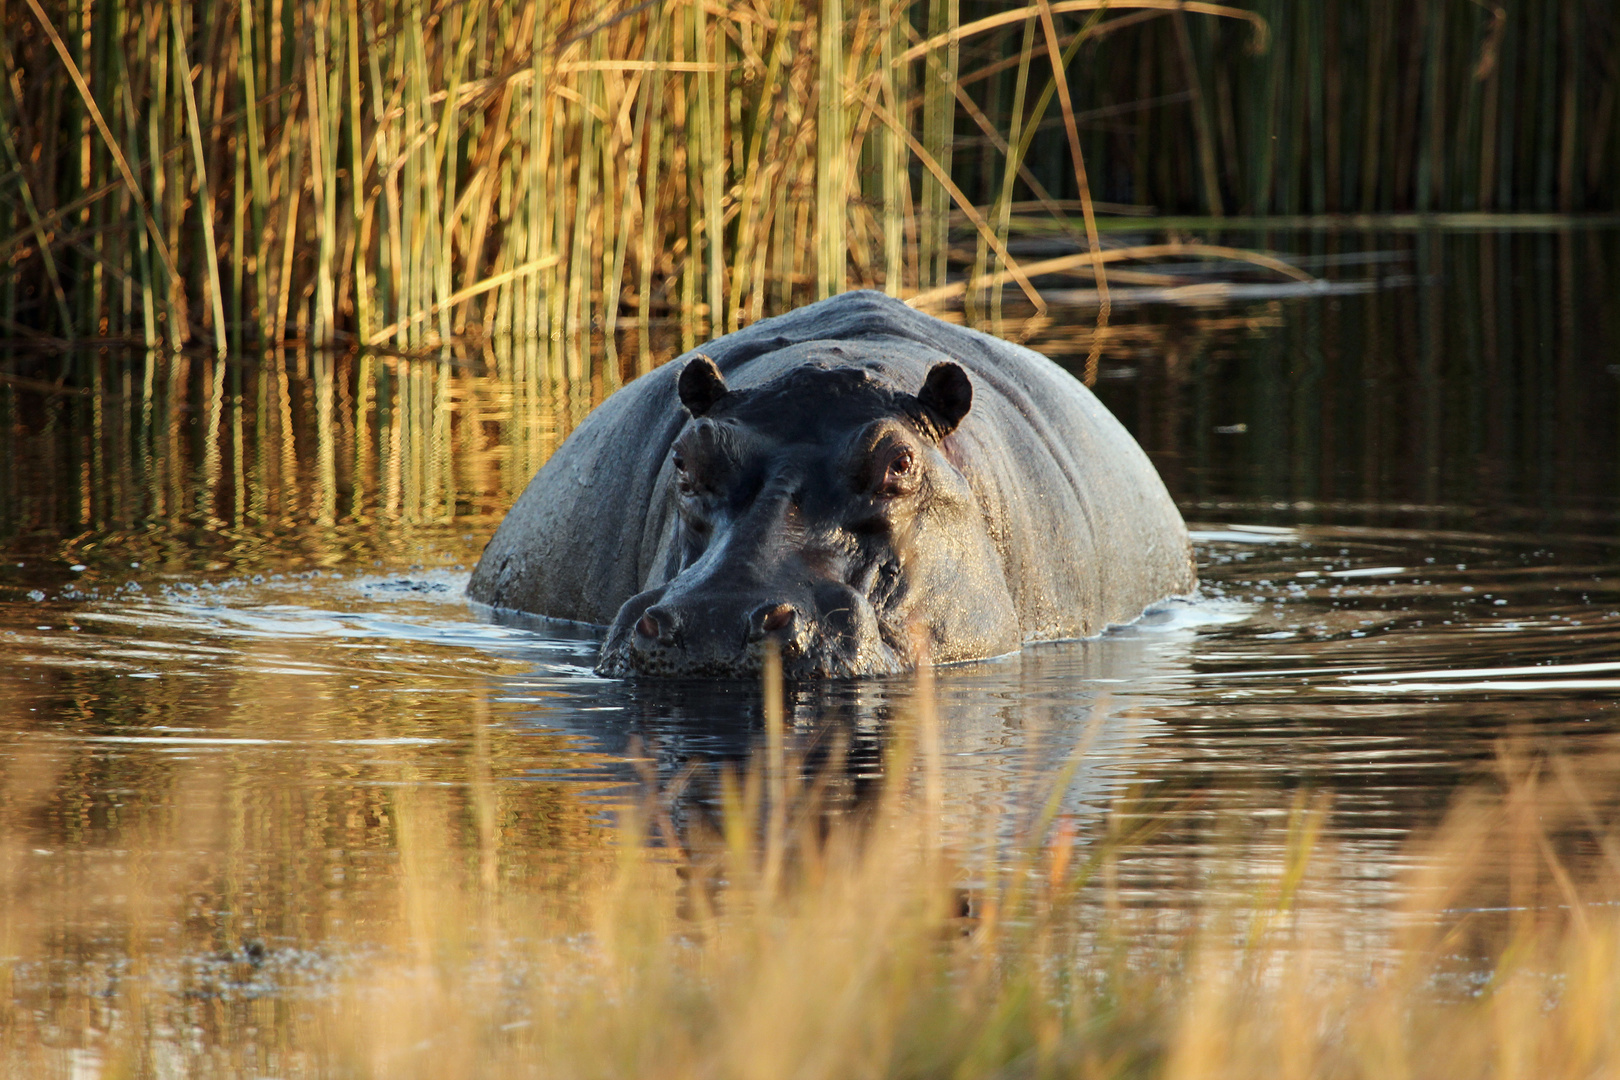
(398, 173)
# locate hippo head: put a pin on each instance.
(821, 510)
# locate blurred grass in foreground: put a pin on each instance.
(803, 937)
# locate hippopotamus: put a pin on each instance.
(865, 485)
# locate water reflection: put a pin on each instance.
(231, 622)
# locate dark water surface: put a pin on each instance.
(231, 621)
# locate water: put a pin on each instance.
(232, 628)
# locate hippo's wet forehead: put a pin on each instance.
(818, 399)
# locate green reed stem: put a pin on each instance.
(358, 163)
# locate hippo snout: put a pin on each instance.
(832, 632)
(769, 619)
(660, 626)
(657, 625)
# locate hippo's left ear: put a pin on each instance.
(947, 395)
(700, 385)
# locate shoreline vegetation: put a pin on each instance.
(396, 175)
(800, 933)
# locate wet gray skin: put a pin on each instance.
(864, 484)
(819, 511)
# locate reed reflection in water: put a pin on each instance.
(236, 451)
(1470, 375)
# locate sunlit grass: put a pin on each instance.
(808, 936)
(395, 174)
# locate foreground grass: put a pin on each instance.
(807, 938)
(865, 964)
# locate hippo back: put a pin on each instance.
(1087, 534)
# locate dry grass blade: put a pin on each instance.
(318, 171)
(210, 247)
(494, 281)
(37, 229)
(1087, 261)
(1060, 79)
(965, 206)
(107, 137)
(1260, 42)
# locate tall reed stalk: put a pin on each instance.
(396, 173)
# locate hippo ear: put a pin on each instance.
(701, 385)
(947, 395)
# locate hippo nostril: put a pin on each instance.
(775, 618)
(656, 624)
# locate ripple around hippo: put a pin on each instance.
(865, 484)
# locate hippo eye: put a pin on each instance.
(897, 474)
(683, 480)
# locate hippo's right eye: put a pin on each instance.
(898, 467)
(683, 480)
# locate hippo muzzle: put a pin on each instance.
(829, 631)
(759, 576)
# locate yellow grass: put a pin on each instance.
(393, 173)
(408, 172)
(807, 938)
